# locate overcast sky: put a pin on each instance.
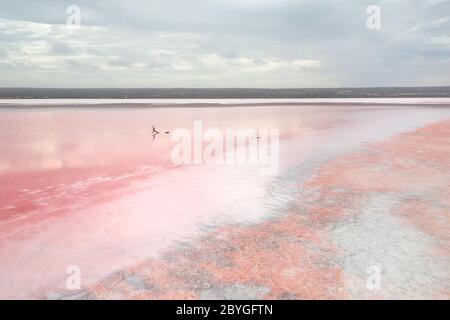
(224, 43)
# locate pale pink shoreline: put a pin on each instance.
(174, 103)
(90, 188)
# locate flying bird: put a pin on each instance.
(155, 132)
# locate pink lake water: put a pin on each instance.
(90, 187)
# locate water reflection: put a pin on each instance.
(96, 187)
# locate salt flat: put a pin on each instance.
(90, 187)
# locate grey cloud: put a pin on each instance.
(227, 43)
(61, 48)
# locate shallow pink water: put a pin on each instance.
(90, 187)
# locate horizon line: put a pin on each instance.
(226, 88)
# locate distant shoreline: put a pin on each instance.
(224, 93)
(216, 103)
